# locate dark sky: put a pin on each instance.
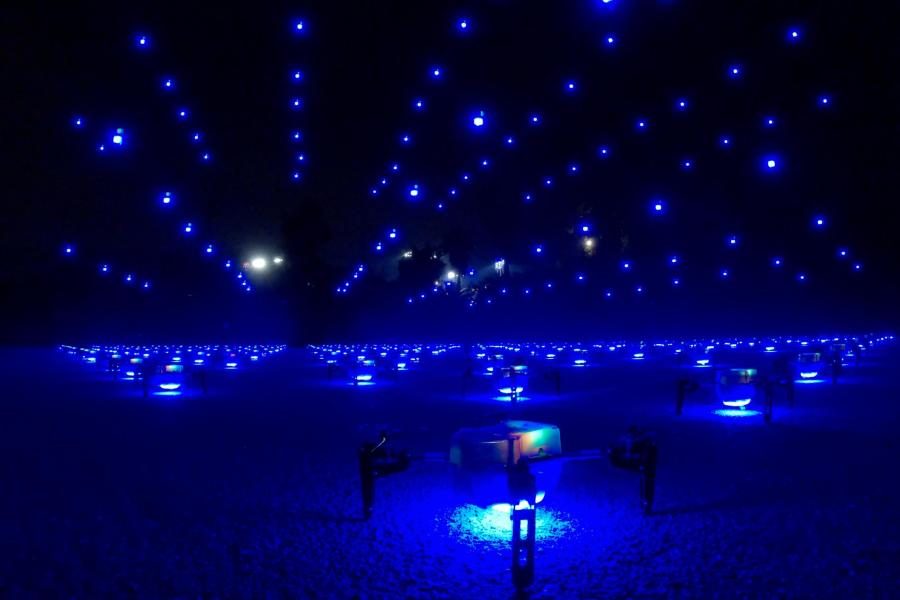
(363, 64)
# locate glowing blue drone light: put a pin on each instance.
(168, 84)
(142, 41)
(167, 198)
(479, 120)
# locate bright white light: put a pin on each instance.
(259, 263)
(478, 121)
(277, 260)
(770, 163)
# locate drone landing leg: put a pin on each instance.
(523, 549)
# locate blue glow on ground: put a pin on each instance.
(809, 381)
(736, 413)
(475, 526)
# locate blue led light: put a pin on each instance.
(296, 136)
(573, 168)
(301, 157)
(188, 227)
(418, 104)
(478, 120)
(548, 182)
(681, 104)
(299, 27)
(723, 273)
(296, 176)
(626, 265)
(676, 282)
(405, 139)
(818, 222)
(771, 163)
(608, 294)
(639, 289)
(297, 76)
(843, 253)
(673, 260)
(167, 198)
(857, 266)
(146, 285)
(610, 40)
(414, 191)
(129, 278)
(579, 277)
(725, 141)
(641, 124)
(824, 101)
(658, 206)
(534, 119)
(509, 141)
(68, 250)
(527, 198)
(78, 122)
(603, 151)
(463, 25)
(538, 249)
(731, 241)
(205, 156)
(801, 276)
(687, 164)
(777, 261)
(209, 249)
(392, 234)
(769, 122)
(104, 269)
(168, 84)
(436, 72)
(196, 137)
(571, 86)
(395, 167)
(793, 35)
(142, 41)
(228, 264)
(118, 138)
(485, 163)
(297, 103)
(182, 114)
(734, 71)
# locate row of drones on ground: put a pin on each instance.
(169, 370)
(738, 366)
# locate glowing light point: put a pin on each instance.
(770, 163)
(418, 104)
(146, 285)
(68, 250)
(167, 198)
(538, 249)
(681, 104)
(182, 114)
(118, 137)
(725, 141)
(299, 27)
(395, 167)
(78, 122)
(478, 120)
(435, 72)
(824, 101)
(196, 137)
(142, 41)
(392, 234)
(603, 151)
(205, 156)
(857, 266)
(731, 241)
(227, 264)
(687, 164)
(793, 35)
(723, 273)
(573, 168)
(777, 261)
(641, 124)
(734, 71)
(296, 136)
(610, 40)
(258, 263)
(414, 191)
(405, 139)
(510, 140)
(659, 207)
(843, 253)
(188, 227)
(626, 265)
(297, 76)
(462, 25)
(819, 222)
(297, 103)
(168, 84)
(673, 260)
(801, 276)
(571, 86)
(378, 247)
(535, 119)
(608, 294)
(769, 122)
(296, 176)
(129, 278)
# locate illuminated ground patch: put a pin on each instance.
(477, 526)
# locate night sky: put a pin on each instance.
(364, 65)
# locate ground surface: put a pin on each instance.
(252, 490)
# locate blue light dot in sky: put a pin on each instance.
(549, 285)
(296, 136)
(395, 167)
(182, 114)
(418, 104)
(681, 104)
(626, 265)
(296, 103)
(843, 253)
(227, 264)
(188, 227)
(725, 141)
(301, 157)
(478, 120)
(723, 273)
(548, 181)
(777, 261)
(142, 41)
(658, 206)
(676, 282)
(585, 228)
(610, 40)
(573, 168)
(436, 72)
(462, 24)
(771, 163)
(579, 277)
(857, 266)
(527, 198)
(793, 35)
(687, 164)
(129, 278)
(819, 222)
(196, 137)
(608, 294)
(68, 250)
(452, 191)
(603, 151)
(414, 191)
(167, 198)
(392, 234)
(485, 163)
(209, 249)
(296, 176)
(405, 139)
(731, 241)
(378, 247)
(104, 268)
(639, 289)
(538, 249)
(78, 122)
(509, 141)
(673, 260)
(571, 86)
(146, 285)
(205, 156)
(297, 76)
(769, 122)
(299, 27)
(641, 124)
(734, 71)
(101, 148)
(534, 119)
(801, 276)
(465, 177)
(168, 83)
(824, 101)
(373, 191)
